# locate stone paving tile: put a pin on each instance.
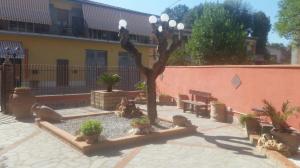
(216, 145)
(13, 132)
(44, 150)
(166, 156)
(6, 119)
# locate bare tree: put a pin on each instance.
(168, 42)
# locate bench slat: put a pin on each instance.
(200, 94)
(194, 103)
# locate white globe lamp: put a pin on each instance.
(164, 17)
(172, 23)
(160, 28)
(122, 23)
(152, 19)
(180, 26)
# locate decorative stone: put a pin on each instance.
(181, 121)
(106, 100)
(141, 98)
(268, 142)
(46, 113)
(128, 109)
(141, 131)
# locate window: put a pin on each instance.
(40, 28)
(113, 36)
(96, 57)
(125, 60)
(22, 26)
(29, 27)
(4, 25)
(13, 26)
(62, 17)
(133, 38)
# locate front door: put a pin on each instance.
(62, 72)
(96, 64)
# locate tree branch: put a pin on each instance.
(127, 45)
(160, 65)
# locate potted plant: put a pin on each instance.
(91, 130)
(107, 99)
(20, 102)
(109, 80)
(251, 123)
(141, 123)
(282, 130)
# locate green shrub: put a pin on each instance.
(91, 127)
(109, 80)
(141, 86)
(140, 121)
(244, 118)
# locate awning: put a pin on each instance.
(107, 18)
(33, 11)
(12, 45)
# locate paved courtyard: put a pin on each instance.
(24, 145)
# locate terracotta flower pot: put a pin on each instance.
(20, 103)
(218, 111)
(91, 139)
(292, 140)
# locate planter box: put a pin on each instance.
(290, 139)
(104, 100)
(86, 148)
(165, 100)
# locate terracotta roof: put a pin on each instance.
(106, 18)
(11, 45)
(33, 11)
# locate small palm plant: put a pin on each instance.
(279, 118)
(109, 80)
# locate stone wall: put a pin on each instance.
(65, 101)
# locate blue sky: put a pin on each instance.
(270, 7)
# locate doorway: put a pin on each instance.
(62, 72)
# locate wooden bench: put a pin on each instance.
(200, 101)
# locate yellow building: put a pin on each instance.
(68, 34)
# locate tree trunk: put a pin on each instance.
(151, 96)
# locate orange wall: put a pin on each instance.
(274, 83)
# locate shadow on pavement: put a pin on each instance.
(235, 145)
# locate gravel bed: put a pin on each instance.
(113, 126)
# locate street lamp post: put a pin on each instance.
(163, 29)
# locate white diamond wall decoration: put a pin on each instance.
(236, 81)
